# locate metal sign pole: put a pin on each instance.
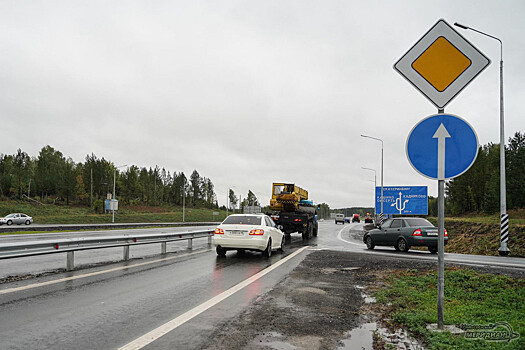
(441, 249)
(441, 253)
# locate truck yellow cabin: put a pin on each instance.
(286, 196)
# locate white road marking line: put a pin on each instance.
(36, 285)
(347, 241)
(158, 332)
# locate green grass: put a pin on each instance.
(470, 298)
(61, 214)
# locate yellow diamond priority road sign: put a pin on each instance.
(441, 64)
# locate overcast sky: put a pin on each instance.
(246, 92)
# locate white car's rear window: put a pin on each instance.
(242, 220)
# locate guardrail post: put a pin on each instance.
(190, 243)
(126, 252)
(209, 241)
(70, 261)
(163, 248)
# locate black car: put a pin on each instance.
(403, 233)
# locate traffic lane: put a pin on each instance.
(110, 310)
(353, 241)
(36, 265)
(328, 236)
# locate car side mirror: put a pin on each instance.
(280, 227)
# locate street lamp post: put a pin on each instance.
(504, 237)
(114, 186)
(375, 186)
(374, 138)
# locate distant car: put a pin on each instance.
(368, 219)
(248, 232)
(16, 218)
(339, 218)
(347, 220)
(403, 233)
(355, 218)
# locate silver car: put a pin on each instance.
(16, 218)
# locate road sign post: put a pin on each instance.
(440, 65)
(442, 146)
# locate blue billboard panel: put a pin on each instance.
(404, 200)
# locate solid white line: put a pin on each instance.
(36, 285)
(347, 241)
(176, 322)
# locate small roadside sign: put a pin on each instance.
(442, 146)
(441, 64)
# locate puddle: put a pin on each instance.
(274, 341)
(278, 345)
(399, 339)
(363, 338)
(360, 338)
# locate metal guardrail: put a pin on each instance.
(70, 245)
(77, 227)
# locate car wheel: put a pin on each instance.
(220, 251)
(281, 248)
(433, 250)
(27, 222)
(402, 245)
(9, 222)
(369, 244)
(315, 230)
(268, 251)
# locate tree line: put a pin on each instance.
(478, 189)
(51, 177)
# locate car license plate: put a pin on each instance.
(236, 233)
(432, 233)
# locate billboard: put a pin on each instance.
(404, 200)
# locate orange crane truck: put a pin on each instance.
(292, 211)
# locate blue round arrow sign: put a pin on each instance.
(442, 146)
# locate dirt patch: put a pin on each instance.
(318, 303)
(313, 308)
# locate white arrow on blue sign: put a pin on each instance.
(442, 146)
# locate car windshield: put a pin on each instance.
(10, 216)
(418, 222)
(242, 220)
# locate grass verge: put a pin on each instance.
(472, 298)
(58, 214)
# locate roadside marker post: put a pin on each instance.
(440, 65)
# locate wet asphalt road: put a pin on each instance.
(110, 305)
(110, 309)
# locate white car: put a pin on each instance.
(248, 232)
(339, 218)
(16, 218)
